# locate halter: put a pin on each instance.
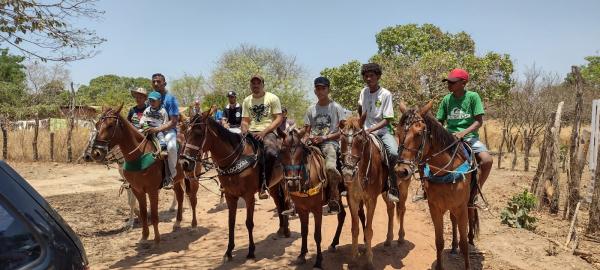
(296, 168)
(104, 144)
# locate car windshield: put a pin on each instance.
(18, 246)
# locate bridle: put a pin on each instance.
(104, 145)
(350, 161)
(299, 171)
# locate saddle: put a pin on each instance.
(457, 174)
(244, 161)
(315, 160)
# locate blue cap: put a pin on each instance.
(155, 95)
(322, 81)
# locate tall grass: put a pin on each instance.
(20, 146)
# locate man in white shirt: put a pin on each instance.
(376, 102)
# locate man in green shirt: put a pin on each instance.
(462, 112)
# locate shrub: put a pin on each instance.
(516, 214)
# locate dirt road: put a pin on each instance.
(87, 197)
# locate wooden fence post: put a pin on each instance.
(594, 220)
(501, 149)
(52, 145)
(34, 142)
(549, 192)
(576, 161)
(4, 128)
(542, 162)
(71, 125)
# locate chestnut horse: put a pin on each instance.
(304, 172)
(364, 176)
(226, 148)
(423, 140)
(115, 130)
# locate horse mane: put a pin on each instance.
(435, 128)
(353, 122)
(224, 134)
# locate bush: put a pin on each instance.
(516, 214)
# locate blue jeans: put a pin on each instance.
(391, 147)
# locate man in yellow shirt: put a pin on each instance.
(261, 115)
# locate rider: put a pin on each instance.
(321, 127)
(155, 116)
(261, 115)
(376, 102)
(462, 111)
(135, 113)
(232, 113)
(169, 103)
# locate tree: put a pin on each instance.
(415, 58)
(111, 90)
(45, 30)
(187, 88)
(47, 84)
(12, 92)
(346, 83)
(283, 77)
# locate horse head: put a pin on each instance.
(109, 128)
(293, 158)
(353, 145)
(412, 133)
(195, 139)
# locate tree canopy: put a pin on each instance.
(111, 90)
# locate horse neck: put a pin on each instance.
(368, 157)
(444, 158)
(130, 140)
(218, 150)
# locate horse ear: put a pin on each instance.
(342, 124)
(402, 107)
(425, 109)
(212, 111)
(363, 118)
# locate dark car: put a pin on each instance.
(32, 234)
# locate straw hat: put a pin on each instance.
(139, 90)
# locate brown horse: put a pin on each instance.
(114, 130)
(304, 172)
(423, 140)
(364, 175)
(226, 148)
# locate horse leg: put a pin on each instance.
(369, 230)
(463, 219)
(390, 212)
(363, 218)
(354, 205)
(175, 203)
(192, 191)
(141, 197)
(178, 191)
(341, 216)
(318, 214)
(232, 207)
(437, 216)
(131, 201)
(303, 214)
(154, 214)
(250, 225)
(454, 249)
(279, 198)
(401, 208)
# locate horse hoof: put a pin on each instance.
(250, 257)
(317, 266)
(299, 261)
(387, 243)
(227, 258)
(287, 233)
(400, 242)
(454, 251)
(194, 224)
(331, 248)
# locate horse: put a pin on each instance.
(115, 130)
(364, 175)
(304, 169)
(238, 179)
(425, 141)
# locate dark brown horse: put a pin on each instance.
(114, 130)
(304, 173)
(364, 176)
(423, 140)
(226, 148)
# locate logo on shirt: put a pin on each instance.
(457, 114)
(258, 112)
(322, 124)
(378, 103)
(238, 114)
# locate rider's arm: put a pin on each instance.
(383, 123)
(475, 126)
(274, 124)
(172, 123)
(245, 125)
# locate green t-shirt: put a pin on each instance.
(459, 114)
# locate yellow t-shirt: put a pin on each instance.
(261, 111)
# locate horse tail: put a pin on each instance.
(475, 222)
(186, 185)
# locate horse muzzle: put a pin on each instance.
(403, 171)
(187, 164)
(97, 154)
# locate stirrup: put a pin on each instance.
(328, 211)
(392, 197)
(262, 193)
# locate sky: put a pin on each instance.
(178, 37)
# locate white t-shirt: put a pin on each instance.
(378, 106)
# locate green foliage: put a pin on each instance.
(516, 214)
(13, 93)
(416, 58)
(283, 77)
(187, 88)
(346, 83)
(111, 90)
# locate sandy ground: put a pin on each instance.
(87, 198)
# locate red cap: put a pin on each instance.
(457, 74)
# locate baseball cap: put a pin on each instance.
(231, 94)
(322, 81)
(257, 77)
(154, 95)
(139, 90)
(456, 75)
